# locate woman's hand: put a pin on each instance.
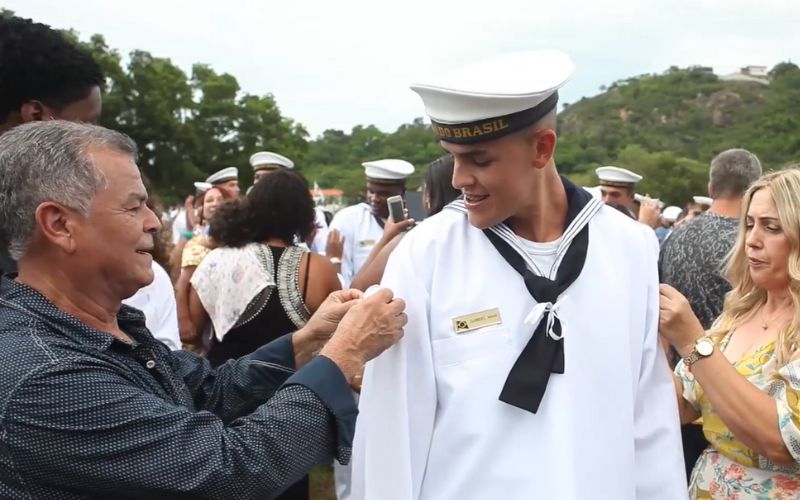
(391, 228)
(677, 322)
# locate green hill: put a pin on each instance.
(668, 127)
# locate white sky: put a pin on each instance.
(337, 64)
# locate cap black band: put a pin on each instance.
(493, 128)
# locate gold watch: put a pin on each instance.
(703, 348)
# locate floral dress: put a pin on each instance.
(730, 470)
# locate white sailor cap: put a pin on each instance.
(267, 160)
(495, 97)
(202, 187)
(224, 175)
(387, 171)
(703, 200)
(671, 213)
(617, 177)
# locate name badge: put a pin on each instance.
(470, 322)
(366, 243)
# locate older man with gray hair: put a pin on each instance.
(91, 405)
(693, 257)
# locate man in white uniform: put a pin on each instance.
(361, 226)
(618, 186)
(530, 365)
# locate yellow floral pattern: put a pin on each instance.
(730, 470)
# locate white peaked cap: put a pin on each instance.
(388, 170)
(703, 200)
(202, 187)
(615, 176)
(224, 175)
(265, 159)
(495, 97)
(671, 213)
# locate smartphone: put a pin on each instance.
(396, 208)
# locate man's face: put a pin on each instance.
(232, 187)
(114, 242)
(86, 110)
(496, 178)
(377, 194)
(617, 195)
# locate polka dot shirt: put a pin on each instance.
(83, 415)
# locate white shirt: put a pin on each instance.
(157, 302)
(321, 238)
(430, 423)
(178, 226)
(361, 232)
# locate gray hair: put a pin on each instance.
(48, 161)
(732, 172)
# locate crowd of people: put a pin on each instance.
(530, 338)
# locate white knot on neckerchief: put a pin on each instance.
(551, 311)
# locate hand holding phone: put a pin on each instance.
(397, 208)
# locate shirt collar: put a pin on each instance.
(26, 300)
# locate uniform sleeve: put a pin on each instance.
(164, 325)
(398, 397)
(343, 222)
(659, 468)
(785, 388)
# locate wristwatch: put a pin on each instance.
(335, 260)
(703, 348)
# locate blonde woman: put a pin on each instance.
(743, 375)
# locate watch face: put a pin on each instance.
(704, 347)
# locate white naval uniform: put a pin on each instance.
(361, 232)
(321, 237)
(430, 424)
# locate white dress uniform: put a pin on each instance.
(157, 302)
(431, 424)
(360, 228)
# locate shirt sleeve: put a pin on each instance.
(398, 397)
(240, 385)
(103, 434)
(659, 471)
(785, 388)
(690, 386)
(343, 223)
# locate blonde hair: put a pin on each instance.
(745, 298)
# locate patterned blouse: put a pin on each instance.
(728, 469)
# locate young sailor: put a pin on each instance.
(361, 226)
(530, 365)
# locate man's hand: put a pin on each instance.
(334, 247)
(649, 213)
(309, 340)
(368, 329)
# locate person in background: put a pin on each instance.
(192, 254)
(43, 76)
(742, 375)
(265, 162)
(438, 191)
(356, 229)
(257, 285)
(227, 180)
(618, 186)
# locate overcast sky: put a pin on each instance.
(336, 64)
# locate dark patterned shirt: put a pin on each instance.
(84, 415)
(693, 261)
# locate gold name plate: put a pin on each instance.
(473, 321)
